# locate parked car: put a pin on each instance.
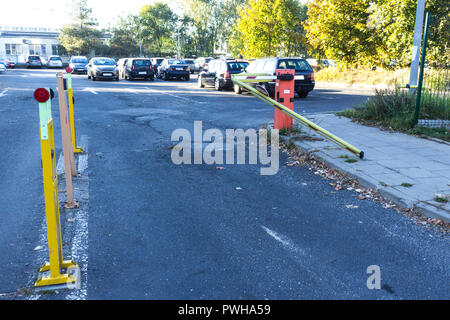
(102, 68)
(174, 68)
(121, 67)
(34, 61)
(54, 62)
(270, 65)
(219, 73)
(2, 67)
(156, 63)
(8, 63)
(191, 64)
(136, 68)
(78, 64)
(201, 64)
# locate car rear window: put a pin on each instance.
(79, 61)
(237, 66)
(34, 58)
(140, 63)
(55, 58)
(296, 64)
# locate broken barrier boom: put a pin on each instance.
(243, 78)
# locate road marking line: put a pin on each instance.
(285, 241)
(80, 241)
(90, 90)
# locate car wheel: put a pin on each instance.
(94, 78)
(270, 90)
(165, 76)
(217, 85)
(89, 77)
(187, 78)
(117, 78)
(237, 89)
(302, 94)
(199, 82)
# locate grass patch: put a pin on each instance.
(384, 184)
(394, 109)
(406, 185)
(440, 199)
(351, 160)
(344, 156)
(379, 76)
(293, 130)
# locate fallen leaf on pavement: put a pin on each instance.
(37, 248)
(361, 197)
(220, 168)
(238, 188)
(351, 206)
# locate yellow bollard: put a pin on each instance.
(56, 262)
(76, 149)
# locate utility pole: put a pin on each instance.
(178, 40)
(140, 40)
(414, 70)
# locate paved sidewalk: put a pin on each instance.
(407, 170)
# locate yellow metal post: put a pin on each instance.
(50, 179)
(76, 149)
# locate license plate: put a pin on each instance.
(301, 77)
(142, 72)
(107, 74)
(179, 69)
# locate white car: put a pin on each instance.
(2, 68)
(54, 62)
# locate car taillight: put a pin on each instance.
(227, 75)
(132, 67)
(150, 67)
(311, 76)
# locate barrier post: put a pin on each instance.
(284, 94)
(50, 179)
(69, 160)
(71, 99)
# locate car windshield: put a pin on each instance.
(189, 61)
(296, 64)
(158, 61)
(177, 62)
(104, 62)
(139, 63)
(237, 66)
(80, 60)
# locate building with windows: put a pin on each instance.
(16, 43)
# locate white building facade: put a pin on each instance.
(17, 43)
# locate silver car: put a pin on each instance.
(54, 62)
(102, 68)
(191, 64)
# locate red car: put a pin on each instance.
(8, 63)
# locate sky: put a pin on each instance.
(54, 13)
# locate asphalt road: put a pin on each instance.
(150, 229)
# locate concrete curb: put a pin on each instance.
(389, 193)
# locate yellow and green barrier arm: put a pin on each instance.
(311, 125)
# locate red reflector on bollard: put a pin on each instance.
(41, 95)
(69, 70)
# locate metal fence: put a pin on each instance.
(435, 99)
